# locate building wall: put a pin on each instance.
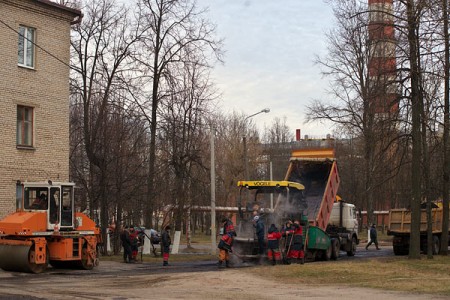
(45, 88)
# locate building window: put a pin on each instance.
(19, 194)
(26, 46)
(24, 126)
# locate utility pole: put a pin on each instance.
(213, 195)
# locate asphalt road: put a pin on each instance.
(116, 278)
(107, 268)
(361, 253)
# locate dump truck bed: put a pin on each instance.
(400, 221)
(317, 170)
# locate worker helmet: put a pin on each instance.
(255, 218)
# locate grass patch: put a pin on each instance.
(197, 238)
(430, 276)
(396, 274)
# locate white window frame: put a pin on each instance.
(26, 45)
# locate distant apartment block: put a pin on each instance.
(34, 94)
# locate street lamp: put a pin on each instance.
(213, 178)
(244, 139)
(265, 110)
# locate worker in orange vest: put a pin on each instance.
(226, 242)
(273, 245)
(134, 239)
(166, 241)
(287, 232)
(296, 251)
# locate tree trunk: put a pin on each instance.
(426, 181)
(446, 167)
(414, 246)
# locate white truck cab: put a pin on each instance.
(349, 219)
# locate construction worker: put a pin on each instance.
(134, 239)
(40, 202)
(288, 233)
(296, 252)
(165, 244)
(259, 231)
(53, 207)
(273, 245)
(226, 242)
(126, 244)
(373, 237)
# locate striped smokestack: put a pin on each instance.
(382, 60)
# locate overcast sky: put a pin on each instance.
(269, 62)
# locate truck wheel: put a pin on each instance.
(88, 259)
(328, 252)
(336, 249)
(436, 245)
(352, 250)
(400, 250)
(397, 250)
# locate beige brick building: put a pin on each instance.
(34, 94)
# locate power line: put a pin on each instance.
(78, 70)
(41, 48)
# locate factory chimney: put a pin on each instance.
(382, 61)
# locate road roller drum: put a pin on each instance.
(20, 258)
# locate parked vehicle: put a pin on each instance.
(46, 229)
(400, 229)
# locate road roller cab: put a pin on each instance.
(45, 229)
(47, 203)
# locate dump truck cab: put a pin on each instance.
(344, 215)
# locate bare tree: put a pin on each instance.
(357, 91)
(181, 122)
(278, 132)
(172, 26)
(446, 123)
(70, 3)
(418, 52)
(276, 141)
(418, 55)
(101, 51)
(230, 168)
(416, 107)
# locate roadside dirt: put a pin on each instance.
(235, 284)
(118, 281)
